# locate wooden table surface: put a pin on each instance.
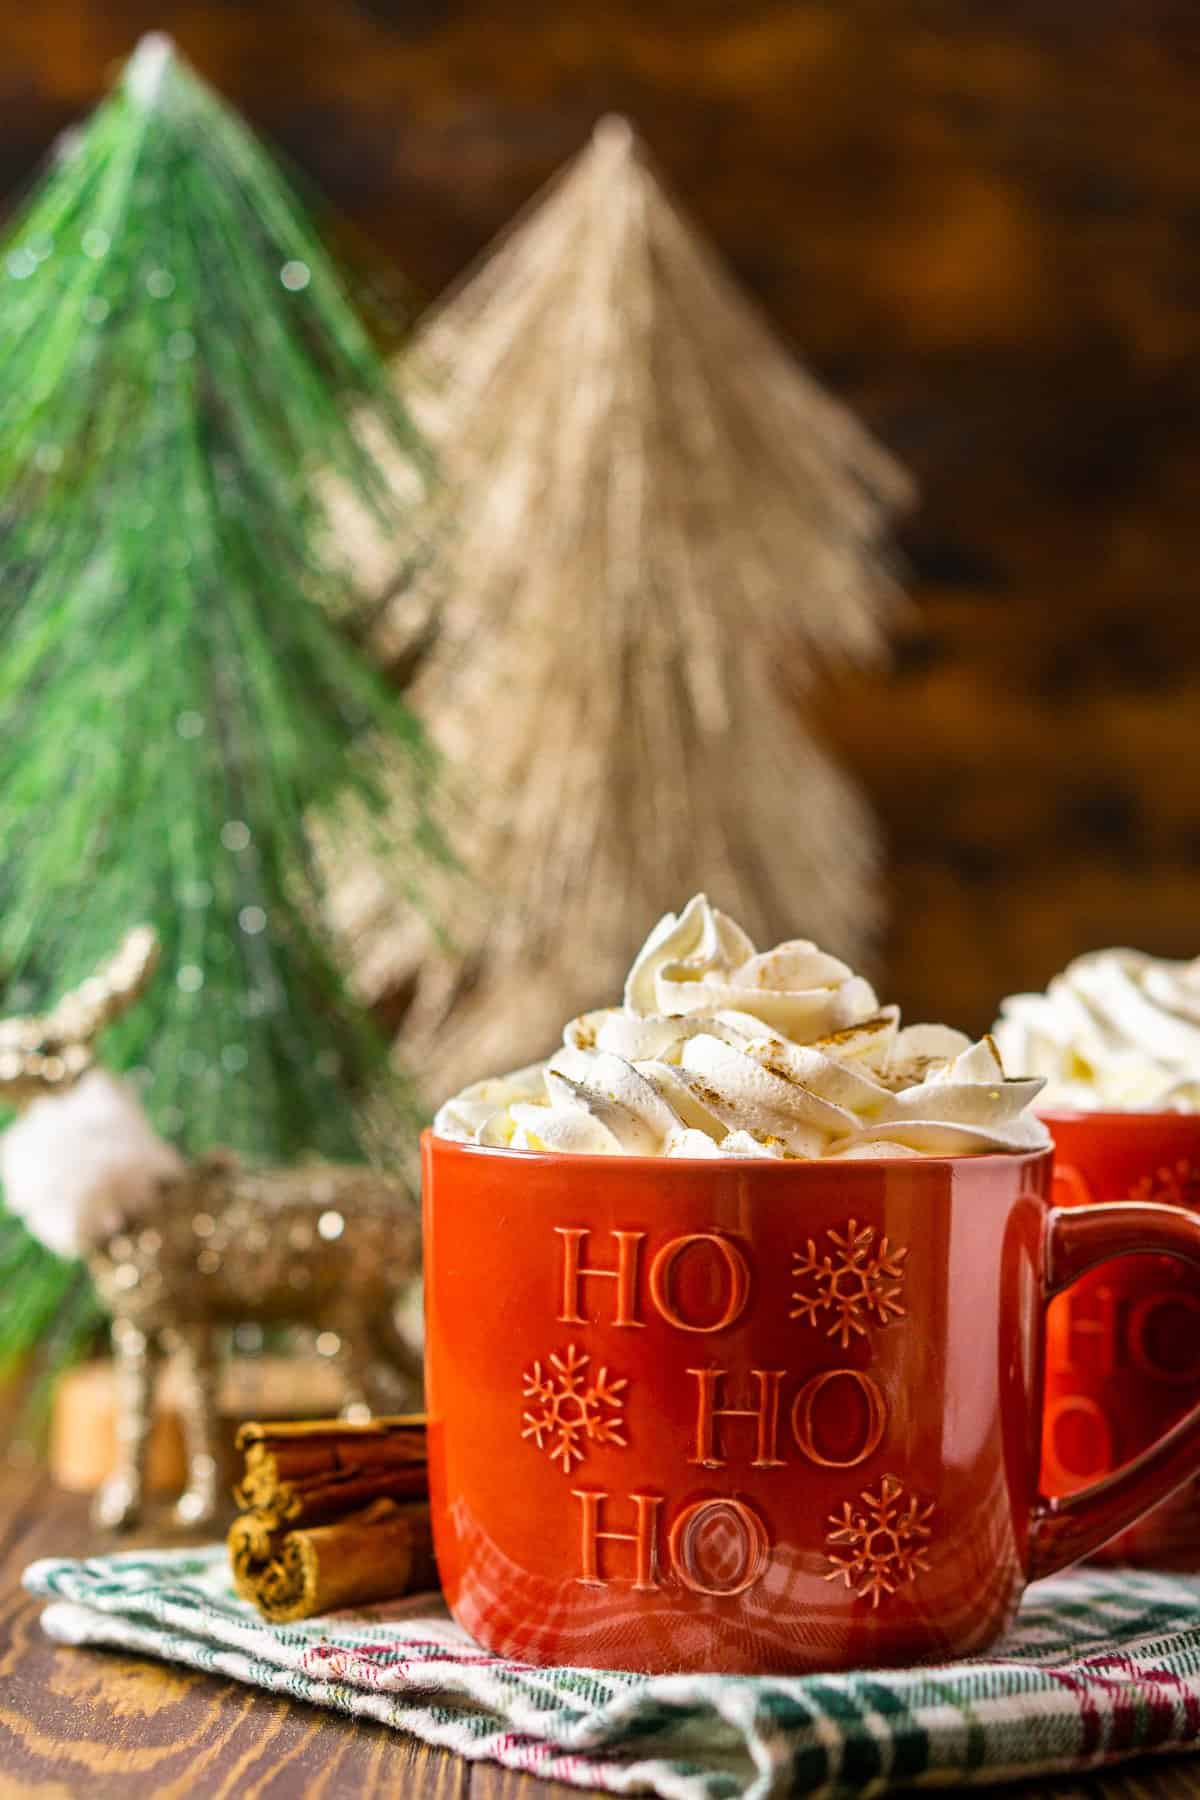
(98, 1723)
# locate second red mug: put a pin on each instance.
(1123, 1347)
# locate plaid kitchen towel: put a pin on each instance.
(1102, 1665)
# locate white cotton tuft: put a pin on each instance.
(78, 1166)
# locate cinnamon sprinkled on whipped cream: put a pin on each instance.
(722, 1050)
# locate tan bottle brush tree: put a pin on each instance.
(651, 513)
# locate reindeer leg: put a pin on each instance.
(135, 1359)
(198, 1502)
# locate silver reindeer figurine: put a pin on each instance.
(177, 1248)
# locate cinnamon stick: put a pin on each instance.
(334, 1515)
(324, 1468)
(377, 1553)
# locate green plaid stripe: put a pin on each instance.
(1101, 1665)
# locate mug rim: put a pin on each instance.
(1140, 1119)
(691, 1164)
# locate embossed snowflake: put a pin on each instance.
(569, 1410)
(854, 1283)
(1175, 1184)
(883, 1540)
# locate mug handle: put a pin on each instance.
(1064, 1530)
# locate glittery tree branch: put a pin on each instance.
(177, 356)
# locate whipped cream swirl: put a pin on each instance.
(722, 1050)
(1116, 1030)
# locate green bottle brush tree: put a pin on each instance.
(179, 361)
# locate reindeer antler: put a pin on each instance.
(43, 1053)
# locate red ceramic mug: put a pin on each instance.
(1123, 1347)
(755, 1415)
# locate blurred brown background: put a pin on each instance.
(982, 226)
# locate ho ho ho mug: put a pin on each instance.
(756, 1416)
(1123, 1346)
